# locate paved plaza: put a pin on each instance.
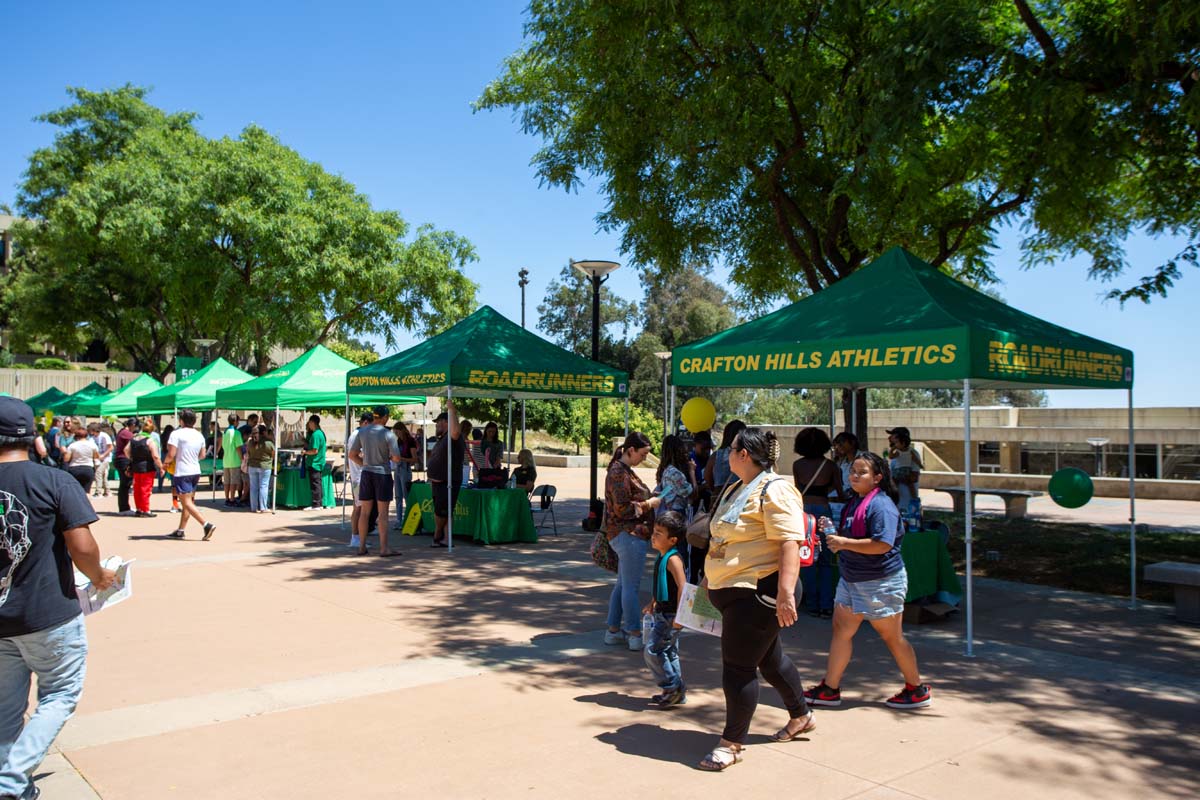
(273, 663)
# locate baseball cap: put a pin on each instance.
(133, 421)
(441, 417)
(16, 418)
(901, 431)
(380, 411)
(366, 416)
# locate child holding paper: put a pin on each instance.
(662, 649)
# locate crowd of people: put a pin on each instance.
(754, 523)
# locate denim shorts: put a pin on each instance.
(185, 484)
(877, 599)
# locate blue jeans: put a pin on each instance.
(624, 607)
(58, 656)
(260, 488)
(662, 653)
(818, 579)
(403, 483)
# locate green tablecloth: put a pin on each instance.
(490, 516)
(929, 567)
(291, 489)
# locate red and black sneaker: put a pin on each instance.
(823, 695)
(912, 697)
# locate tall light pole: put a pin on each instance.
(523, 281)
(598, 271)
(664, 358)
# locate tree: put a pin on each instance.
(797, 140)
(172, 236)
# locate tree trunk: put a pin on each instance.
(861, 427)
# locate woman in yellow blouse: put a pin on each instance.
(752, 569)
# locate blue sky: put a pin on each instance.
(380, 93)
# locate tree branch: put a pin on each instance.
(1043, 38)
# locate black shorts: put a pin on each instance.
(444, 495)
(375, 486)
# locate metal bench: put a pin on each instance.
(1016, 501)
(1186, 580)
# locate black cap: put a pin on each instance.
(134, 421)
(380, 411)
(441, 417)
(902, 432)
(16, 418)
(366, 416)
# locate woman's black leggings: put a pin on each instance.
(750, 643)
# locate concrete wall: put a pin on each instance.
(1145, 489)
(29, 382)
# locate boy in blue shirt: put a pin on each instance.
(662, 648)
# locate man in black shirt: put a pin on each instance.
(44, 519)
(445, 493)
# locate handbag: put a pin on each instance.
(698, 532)
(603, 555)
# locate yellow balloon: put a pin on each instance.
(698, 414)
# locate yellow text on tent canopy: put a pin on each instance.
(413, 379)
(848, 358)
(1011, 358)
(542, 381)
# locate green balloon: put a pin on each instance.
(1071, 487)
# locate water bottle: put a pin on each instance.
(647, 628)
(913, 517)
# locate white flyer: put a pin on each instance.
(696, 613)
(91, 600)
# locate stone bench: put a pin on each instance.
(1186, 580)
(1016, 501)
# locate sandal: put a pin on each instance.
(719, 758)
(785, 735)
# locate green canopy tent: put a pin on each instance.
(316, 379)
(42, 401)
(198, 391)
(900, 322)
(487, 355)
(70, 405)
(121, 402)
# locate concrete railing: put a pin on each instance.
(1144, 488)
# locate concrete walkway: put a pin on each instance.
(272, 663)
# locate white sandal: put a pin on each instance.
(719, 758)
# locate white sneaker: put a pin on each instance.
(354, 541)
(635, 642)
(614, 637)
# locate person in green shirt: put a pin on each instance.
(231, 461)
(315, 450)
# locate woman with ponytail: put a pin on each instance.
(626, 518)
(873, 585)
(752, 570)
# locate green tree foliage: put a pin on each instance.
(565, 316)
(952, 398)
(147, 234)
(359, 352)
(796, 140)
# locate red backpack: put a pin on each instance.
(811, 546)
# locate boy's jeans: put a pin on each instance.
(59, 657)
(662, 653)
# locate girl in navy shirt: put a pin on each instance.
(873, 585)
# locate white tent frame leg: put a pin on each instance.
(832, 416)
(217, 436)
(509, 433)
(273, 489)
(627, 417)
(346, 465)
(969, 513)
(450, 474)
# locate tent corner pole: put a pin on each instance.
(509, 435)
(673, 425)
(854, 413)
(969, 514)
(346, 465)
(217, 419)
(626, 416)
(1132, 516)
(450, 470)
(832, 416)
(275, 468)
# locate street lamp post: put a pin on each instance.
(664, 358)
(523, 281)
(1098, 442)
(598, 271)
